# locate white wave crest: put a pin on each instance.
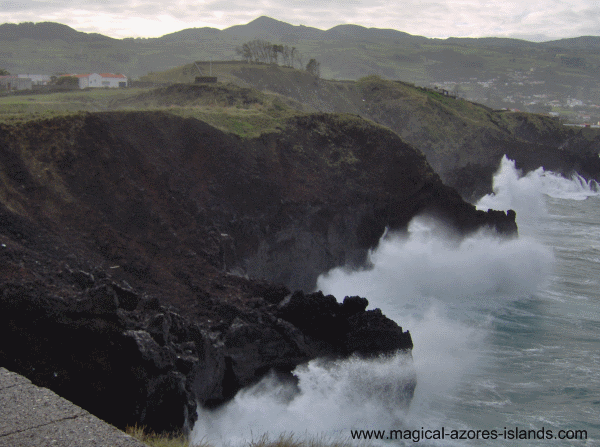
(330, 398)
(524, 193)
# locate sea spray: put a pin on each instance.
(452, 294)
(446, 291)
(525, 193)
(425, 266)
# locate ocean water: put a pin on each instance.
(506, 335)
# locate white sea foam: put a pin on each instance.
(446, 293)
(330, 398)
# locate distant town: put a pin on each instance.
(74, 81)
(523, 90)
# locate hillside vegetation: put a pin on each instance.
(239, 110)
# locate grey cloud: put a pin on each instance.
(430, 18)
(32, 6)
(12, 6)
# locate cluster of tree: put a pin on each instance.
(262, 51)
(4, 72)
(314, 68)
(64, 80)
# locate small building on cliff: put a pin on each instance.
(99, 80)
(37, 79)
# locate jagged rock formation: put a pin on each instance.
(119, 233)
(130, 359)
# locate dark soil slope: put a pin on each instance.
(161, 196)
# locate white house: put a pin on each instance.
(108, 80)
(83, 79)
(12, 82)
(36, 79)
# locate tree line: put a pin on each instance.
(262, 51)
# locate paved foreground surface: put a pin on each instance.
(33, 416)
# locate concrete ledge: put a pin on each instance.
(34, 416)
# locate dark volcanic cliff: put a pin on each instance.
(119, 233)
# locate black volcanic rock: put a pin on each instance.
(371, 333)
(353, 305)
(159, 197)
(150, 366)
(348, 328)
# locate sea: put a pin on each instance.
(506, 336)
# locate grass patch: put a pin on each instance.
(237, 110)
(42, 106)
(283, 440)
(160, 440)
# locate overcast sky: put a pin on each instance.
(529, 19)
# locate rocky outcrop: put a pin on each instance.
(131, 244)
(346, 328)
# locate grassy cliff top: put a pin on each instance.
(238, 110)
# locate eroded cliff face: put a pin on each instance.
(464, 142)
(125, 238)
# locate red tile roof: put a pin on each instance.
(111, 75)
(102, 75)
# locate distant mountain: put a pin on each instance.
(190, 34)
(270, 29)
(360, 32)
(47, 31)
(581, 43)
(498, 42)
